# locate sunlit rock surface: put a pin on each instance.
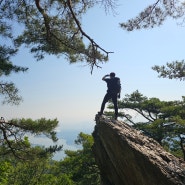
(126, 157)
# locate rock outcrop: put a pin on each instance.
(126, 157)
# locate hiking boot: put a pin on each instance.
(100, 113)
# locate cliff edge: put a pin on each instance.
(127, 157)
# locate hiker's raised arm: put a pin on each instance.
(105, 77)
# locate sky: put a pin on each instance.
(53, 88)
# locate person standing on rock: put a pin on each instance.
(113, 92)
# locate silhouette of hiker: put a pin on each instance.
(113, 92)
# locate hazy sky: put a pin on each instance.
(54, 89)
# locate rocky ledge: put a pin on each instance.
(127, 157)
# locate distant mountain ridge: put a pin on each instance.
(127, 157)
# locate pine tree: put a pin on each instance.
(155, 15)
(14, 140)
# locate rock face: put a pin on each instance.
(126, 157)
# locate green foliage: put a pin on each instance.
(77, 168)
(5, 169)
(7, 89)
(52, 27)
(155, 14)
(46, 28)
(40, 126)
(10, 93)
(14, 137)
(172, 145)
(80, 165)
(173, 70)
(40, 171)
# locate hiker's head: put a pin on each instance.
(112, 75)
